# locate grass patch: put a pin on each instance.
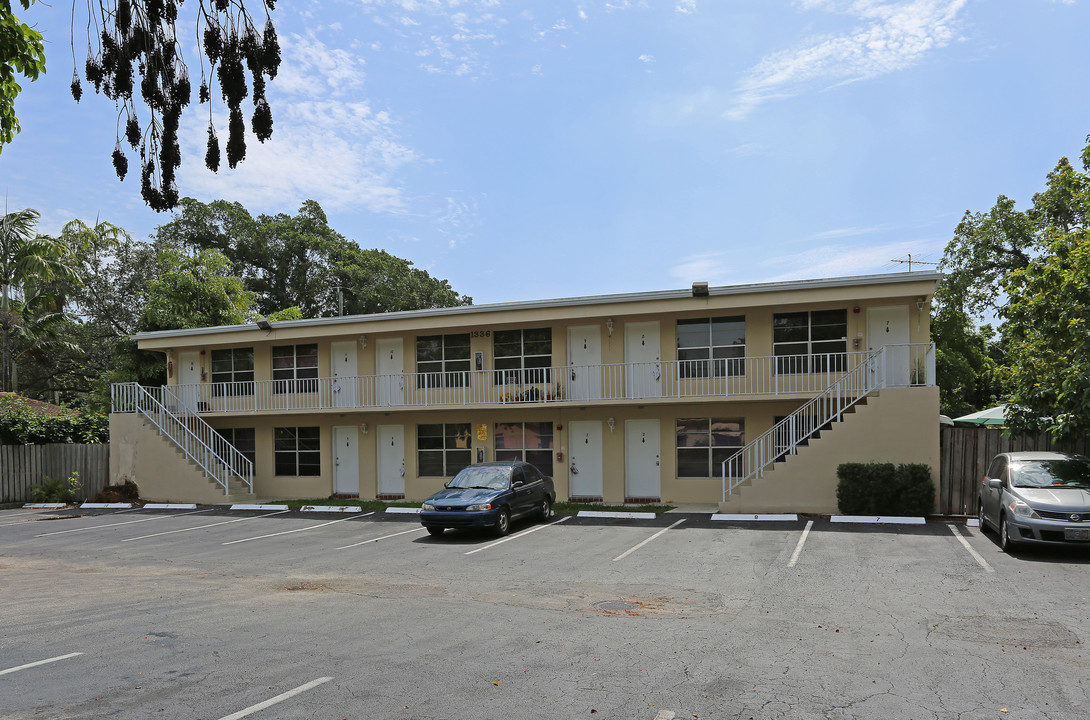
(563, 508)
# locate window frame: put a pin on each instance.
(449, 452)
(525, 368)
(230, 436)
(519, 454)
(823, 360)
(312, 451)
(714, 454)
(228, 382)
(450, 372)
(717, 360)
(296, 377)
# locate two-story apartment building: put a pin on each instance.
(747, 395)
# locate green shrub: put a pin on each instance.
(55, 490)
(22, 424)
(885, 489)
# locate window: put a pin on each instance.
(234, 366)
(704, 443)
(711, 345)
(522, 356)
(530, 442)
(297, 450)
(241, 439)
(442, 450)
(810, 341)
(295, 368)
(442, 360)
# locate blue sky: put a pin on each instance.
(527, 150)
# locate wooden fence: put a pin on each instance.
(966, 453)
(25, 466)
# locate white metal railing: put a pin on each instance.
(889, 366)
(718, 378)
(175, 416)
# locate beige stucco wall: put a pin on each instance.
(900, 425)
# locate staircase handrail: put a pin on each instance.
(783, 438)
(204, 446)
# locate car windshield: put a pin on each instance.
(1069, 472)
(491, 478)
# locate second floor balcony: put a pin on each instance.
(796, 376)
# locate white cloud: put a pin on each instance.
(686, 6)
(840, 260)
(646, 59)
(893, 36)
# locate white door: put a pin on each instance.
(889, 326)
(643, 366)
(585, 363)
(585, 449)
(391, 460)
(189, 378)
(391, 369)
(642, 460)
(346, 460)
(345, 384)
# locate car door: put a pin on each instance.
(989, 496)
(522, 490)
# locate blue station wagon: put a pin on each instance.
(489, 495)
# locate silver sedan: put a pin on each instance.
(1036, 497)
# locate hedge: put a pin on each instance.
(23, 424)
(885, 489)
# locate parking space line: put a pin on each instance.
(278, 699)
(976, 556)
(518, 535)
(631, 550)
(802, 541)
(40, 662)
(289, 532)
(201, 527)
(403, 532)
(127, 522)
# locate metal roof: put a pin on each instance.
(723, 290)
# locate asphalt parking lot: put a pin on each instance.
(220, 615)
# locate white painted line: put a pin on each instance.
(973, 523)
(259, 507)
(802, 541)
(631, 550)
(403, 511)
(518, 535)
(625, 515)
(201, 527)
(45, 506)
(40, 662)
(278, 699)
(289, 532)
(332, 508)
(767, 518)
(127, 522)
(171, 506)
(403, 532)
(976, 556)
(878, 519)
(106, 506)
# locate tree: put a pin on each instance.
(301, 261)
(195, 291)
(28, 262)
(134, 43)
(23, 53)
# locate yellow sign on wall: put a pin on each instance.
(482, 432)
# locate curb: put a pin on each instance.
(878, 520)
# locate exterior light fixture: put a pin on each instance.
(609, 326)
(612, 423)
(700, 289)
(264, 324)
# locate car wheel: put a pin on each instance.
(436, 531)
(546, 508)
(503, 522)
(980, 517)
(1006, 542)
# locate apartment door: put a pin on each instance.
(585, 363)
(889, 326)
(643, 360)
(642, 460)
(345, 371)
(346, 460)
(391, 460)
(391, 372)
(189, 378)
(585, 449)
